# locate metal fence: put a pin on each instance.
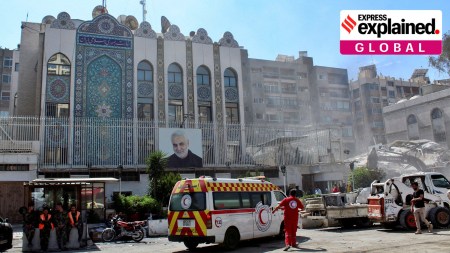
(94, 142)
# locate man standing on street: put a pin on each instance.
(60, 222)
(291, 206)
(419, 208)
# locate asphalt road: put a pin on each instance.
(374, 240)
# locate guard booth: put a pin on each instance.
(88, 194)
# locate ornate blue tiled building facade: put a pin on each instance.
(103, 88)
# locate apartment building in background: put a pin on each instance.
(370, 93)
(7, 69)
(292, 92)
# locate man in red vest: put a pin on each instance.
(75, 221)
(45, 226)
(291, 206)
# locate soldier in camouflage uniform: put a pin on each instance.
(75, 221)
(60, 221)
(45, 226)
(30, 220)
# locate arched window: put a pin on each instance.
(438, 124)
(58, 65)
(145, 91)
(175, 75)
(231, 96)
(204, 94)
(203, 76)
(58, 86)
(230, 78)
(175, 80)
(413, 127)
(145, 71)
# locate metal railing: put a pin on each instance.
(106, 143)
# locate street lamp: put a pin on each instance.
(120, 168)
(283, 170)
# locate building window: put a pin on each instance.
(145, 111)
(229, 78)
(273, 117)
(375, 100)
(176, 111)
(391, 94)
(174, 74)
(347, 132)
(6, 78)
(145, 71)
(5, 96)
(16, 67)
(259, 116)
(232, 112)
(390, 83)
(413, 127)
(204, 112)
(7, 62)
(14, 167)
(57, 110)
(203, 76)
(438, 124)
(58, 65)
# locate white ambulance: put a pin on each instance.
(224, 211)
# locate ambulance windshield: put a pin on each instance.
(188, 201)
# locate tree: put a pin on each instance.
(156, 165)
(161, 182)
(363, 176)
(442, 62)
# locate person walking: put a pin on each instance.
(75, 221)
(30, 221)
(419, 208)
(60, 222)
(291, 206)
(45, 226)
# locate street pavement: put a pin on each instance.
(373, 240)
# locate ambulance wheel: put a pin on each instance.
(232, 238)
(440, 217)
(191, 245)
(407, 220)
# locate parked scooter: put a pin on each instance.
(120, 229)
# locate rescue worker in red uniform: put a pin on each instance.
(291, 206)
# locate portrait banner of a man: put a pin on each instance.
(184, 147)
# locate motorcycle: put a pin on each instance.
(120, 229)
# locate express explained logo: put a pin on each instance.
(348, 24)
(391, 32)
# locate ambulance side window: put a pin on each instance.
(226, 200)
(246, 203)
(263, 197)
(279, 196)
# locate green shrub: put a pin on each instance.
(132, 204)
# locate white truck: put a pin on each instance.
(390, 202)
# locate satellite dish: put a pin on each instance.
(131, 22)
(98, 10)
(122, 19)
(165, 24)
(48, 20)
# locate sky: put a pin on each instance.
(265, 28)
